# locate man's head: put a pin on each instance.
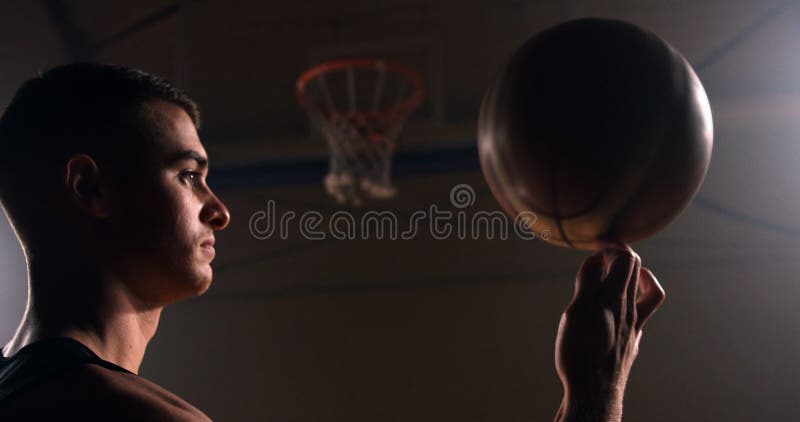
(102, 165)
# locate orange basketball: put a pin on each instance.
(599, 128)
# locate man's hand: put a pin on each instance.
(598, 337)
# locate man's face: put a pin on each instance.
(164, 215)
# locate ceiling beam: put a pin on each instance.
(137, 26)
(75, 38)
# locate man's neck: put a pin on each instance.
(112, 323)
(120, 338)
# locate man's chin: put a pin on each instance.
(203, 287)
(193, 286)
(202, 282)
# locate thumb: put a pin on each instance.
(651, 298)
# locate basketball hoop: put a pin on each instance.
(360, 106)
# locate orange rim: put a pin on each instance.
(404, 106)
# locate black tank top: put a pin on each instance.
(38, 361)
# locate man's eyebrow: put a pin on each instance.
(188, 155)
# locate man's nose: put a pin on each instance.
(215, 213)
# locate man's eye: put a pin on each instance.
(190, 176)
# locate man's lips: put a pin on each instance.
(208, 246)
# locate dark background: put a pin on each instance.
(426, 329)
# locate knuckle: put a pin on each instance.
(572, 309)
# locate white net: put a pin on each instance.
(362, 128)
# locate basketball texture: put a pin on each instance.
(599, 128)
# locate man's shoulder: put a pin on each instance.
(92, 392)
(133, 392)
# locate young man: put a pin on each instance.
(102, 175)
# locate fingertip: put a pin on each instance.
(611, 255)
(612, 243)
(619, 248)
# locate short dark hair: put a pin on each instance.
(77, 108)
(63, 109)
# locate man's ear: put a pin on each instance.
(83, 183)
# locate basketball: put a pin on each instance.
(599, 128)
